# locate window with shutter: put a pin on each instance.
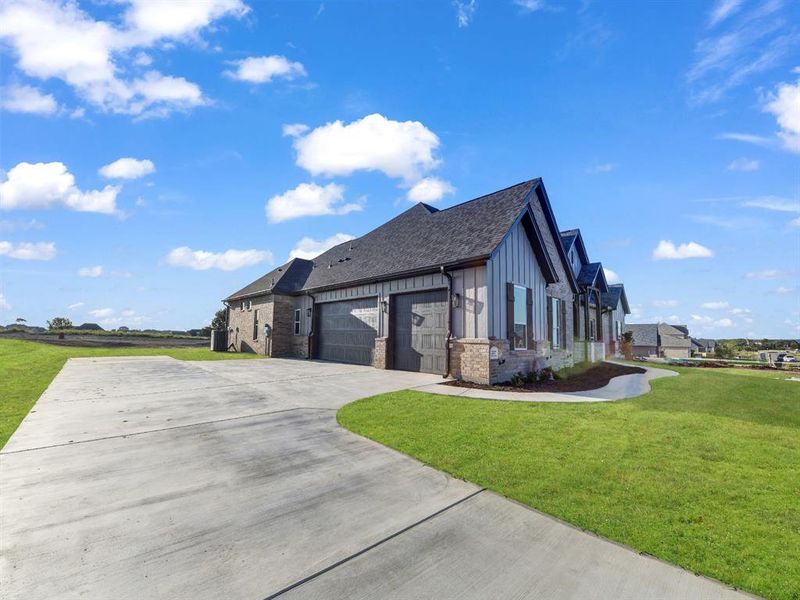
(520, 318)
(555, 320)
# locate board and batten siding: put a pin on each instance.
(469, 319)
(513, 261)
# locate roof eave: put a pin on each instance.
(551, 222)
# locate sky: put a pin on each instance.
(157, 156)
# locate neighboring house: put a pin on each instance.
(480, 290)
(660, 339)
(615, 307)
(704, 346)
(587, 309)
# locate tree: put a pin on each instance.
(627, 345)
(220, 319)
(59, 323)
(21, 320)
(723, 350)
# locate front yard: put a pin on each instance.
(27, 368)
(703, 472)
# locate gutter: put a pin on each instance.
(444, 272)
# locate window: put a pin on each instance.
(556, 333)
(247, 304)
(520, 318)
(297, 321)
(255, 324)
(618, 326)
(591, 329)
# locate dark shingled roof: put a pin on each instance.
(658, 334)
(589, 276)
(286, 279)
(644, 334)
(568, 238)
(616, 292)
(424, 238)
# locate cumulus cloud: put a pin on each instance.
(96, 271)
(229, 260)
(127, 168)
(744, 164)
(666, 250)
(4, 304)
(27, 99)
(601, 168)
(101, 312)
(430, 189)
(294, 129)
(716, 305)
(399, 149)
(308, 200)
(263, 69)
(611, 276)
(784, 104)
(465, 10)
(45, 185)
(28, 250)
(309, 248)
(723, 323)
(57, 40)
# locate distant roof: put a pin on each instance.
(419, 239)
(573, 237)
(658, 334)
(645, 334)
(286, 279)
(672, 336)
(592, 275)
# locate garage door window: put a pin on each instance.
(520, 318)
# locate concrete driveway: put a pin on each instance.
(156, 478)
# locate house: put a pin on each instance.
(615, 307)
(704, 346)
(480, 291)
(592, 285)
(660, 340)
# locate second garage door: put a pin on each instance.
(420, 332)
(347, 330)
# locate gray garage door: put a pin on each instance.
(347, 330)
(420, 332)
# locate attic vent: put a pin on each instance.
(341, 260)
(280, 269)
(330, 265)
(350, 247)
(347, 258)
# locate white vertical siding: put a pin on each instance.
(469, 319)
(514, 262)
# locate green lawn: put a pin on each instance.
(703, 472)
(27, 368)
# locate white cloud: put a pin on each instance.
(748, 138)
(230, 260)
(75, 306)
(59, 40)
(465, 10)
(767, 274)
(716, 305)
(101, 312)
(774, 203)
(666, 250)
(794, 223)
(96, 271)
(309, 248)
(722, 10)
(531, 5)
(127, 168)
(4, 304)
(263, 69)
(740, 311)
(701, 319)
(744, 164)
(430, 189)
(783, 291)
(294, 129)
(28, 250)
(601, 168)
(665, 303)
(785, 105)
(8, 225)
(399, 149)
(27, 99)
(308, 200)
(611, 276)
(723, 323)
(44, 185)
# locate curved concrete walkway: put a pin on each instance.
(619, 388)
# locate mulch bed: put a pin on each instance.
(594, 377)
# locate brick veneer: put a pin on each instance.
(380, 358)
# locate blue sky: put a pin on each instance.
(251, 131)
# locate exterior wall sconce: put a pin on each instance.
(455, 300)
(385, 306)
(308, 313)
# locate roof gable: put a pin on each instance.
(592, 275)
(615, 295)
(286, 279)
(573, 238)
(547, 209)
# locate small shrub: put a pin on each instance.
(517, 379)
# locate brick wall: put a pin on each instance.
(380, 357)
(241, 324)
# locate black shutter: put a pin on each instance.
(510, 314)
(529, 316)
(550, 320)
(563, 316)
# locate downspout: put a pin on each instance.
(311, 323)
(449, 318)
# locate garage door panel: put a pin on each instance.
(347, 330)
(420, 332)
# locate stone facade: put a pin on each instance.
(381, 359)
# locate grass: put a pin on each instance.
(703, 472)
(27, 368)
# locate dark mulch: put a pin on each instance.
(576, 380)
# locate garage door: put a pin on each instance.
(347, 330)
(420, 332)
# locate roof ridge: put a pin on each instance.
(441, 210)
